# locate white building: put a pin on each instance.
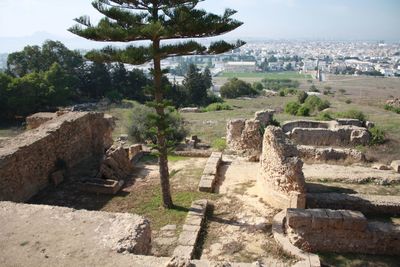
(241, 66)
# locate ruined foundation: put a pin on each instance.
(58, 232)
(281, 181)
(342, 133)
(245, 136)
(28, 161)
(341, 231)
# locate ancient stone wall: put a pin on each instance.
(341, 231)
(281, 180)
(342, 132)
(28, 160)
(311, 154)
(342, 137)
(245, 136)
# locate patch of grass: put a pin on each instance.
(174, 158)
(268, 75)
(219, 144)
(274, 249)
(148, 204)
(352, 260)
(217, 107)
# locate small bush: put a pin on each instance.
(325, 116)
(314, 103)
(303, 111)
(313, 88)
(142, 127)
(348, 101)
(219, 144)
(114, 96)
(302, 96)
(391, 108)
(352, 114)
(274, 122)
(342, 91)
(292, 108)
(282, 93)
(377, 136)
(217, 107)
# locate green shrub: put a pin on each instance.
(292, 108)
(302, 96)
(114, 96)
(314, 103)
(142, 125)
(274, 122)
(282, 93)
(303, 111)
(217, 107)
(391, 108)
(348, 101)
(352, 114)
(377, 136)
(219, 144)
(313, 88)
(235, 88)
(325, 116)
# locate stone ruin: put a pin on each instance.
(30, 161)
(340, 231)
(281, 180)
(341, 132)
(245, 136)
(394, 103)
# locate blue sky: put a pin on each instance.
(272, 19)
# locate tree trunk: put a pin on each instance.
(161, 141)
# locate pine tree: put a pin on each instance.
(195, 86)
(156, 20)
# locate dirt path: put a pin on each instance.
(240, 227)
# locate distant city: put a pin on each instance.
(334, 57)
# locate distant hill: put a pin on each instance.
(13, 44)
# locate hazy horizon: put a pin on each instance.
(27, 22)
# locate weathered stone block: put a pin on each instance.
(188, 238)
(298, 218)
(27, 160)
(354, 220)
(396, 166)
(320, 219)
(335, 219)
(184, 251)
(194, 220)
(281, 176)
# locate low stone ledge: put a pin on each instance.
(367, 204)
(194, 153)
(210, 173)
(73, 232)
(306, 259)
(342, 231)
(189, 236)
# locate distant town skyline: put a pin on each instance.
(263, 19)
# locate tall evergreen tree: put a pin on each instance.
(195, 85)
(156, 20)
